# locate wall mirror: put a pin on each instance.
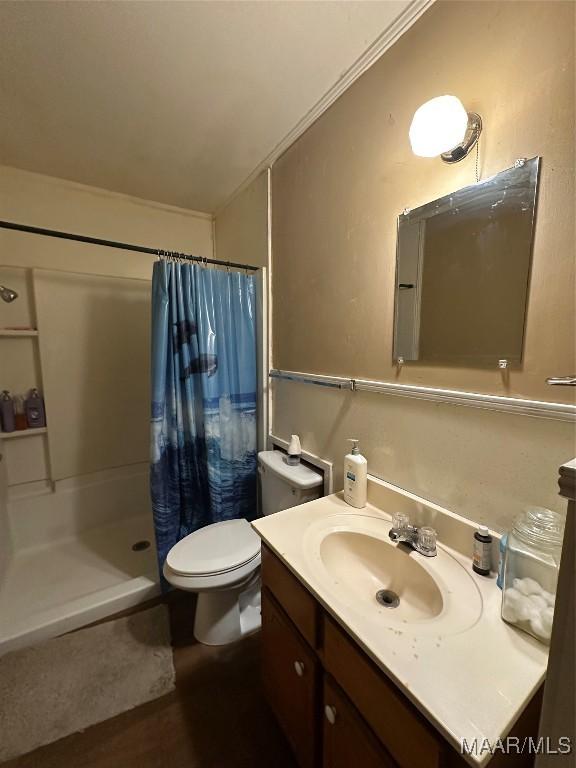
(462, 272)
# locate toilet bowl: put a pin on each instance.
(221, 562)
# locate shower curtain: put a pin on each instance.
(203, 425)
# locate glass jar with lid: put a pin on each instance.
(531, 564)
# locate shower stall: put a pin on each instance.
(74, 507)
(76, 531)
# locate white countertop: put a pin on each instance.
(472, 684)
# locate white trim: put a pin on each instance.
(326, 467)
(267, 405)
(519, 406)
(382, 43)
(28, 432)
(14, 334)
(262, 293)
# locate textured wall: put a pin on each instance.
(336, 194)
(241, 228)
(338, 190)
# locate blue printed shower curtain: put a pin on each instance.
(203, 442)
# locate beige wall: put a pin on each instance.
(241, 231)
(43, 201)
(241, 227)
(336, 195)
(484, 465)
(338, 190)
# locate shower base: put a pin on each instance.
(53, 589)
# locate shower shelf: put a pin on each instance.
(12, 333)
(23, 433)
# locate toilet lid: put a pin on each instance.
(214, 548)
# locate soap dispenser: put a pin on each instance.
(355, 477)
(294, 451)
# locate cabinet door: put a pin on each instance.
(291, 680)
(347, 740)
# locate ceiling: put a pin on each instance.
(176, 102)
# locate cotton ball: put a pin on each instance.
(525, 609)
(547, 617)
(511, 598)
(538, 601)
(537, 626)
(531, 587)
(550, 597)
(519, 585)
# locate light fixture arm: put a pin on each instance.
(473, 131)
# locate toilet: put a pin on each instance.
(221, 562)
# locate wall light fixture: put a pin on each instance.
(442, 126)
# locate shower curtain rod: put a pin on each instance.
(123, 246)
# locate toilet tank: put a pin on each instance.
(283, 486)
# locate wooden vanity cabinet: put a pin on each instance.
(347, 741)
(336, 707)
(291, 675)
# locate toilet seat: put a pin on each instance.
(216, 549)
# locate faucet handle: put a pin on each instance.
(427, 539)
(400, 520)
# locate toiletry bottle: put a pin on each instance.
(294, 451)
(19, 413)
(35, 414)
(502, 550)
(6, 412)
(355, 477)
(482, 558)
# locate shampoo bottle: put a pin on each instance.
(355, 477)
(35, 414)
(19, 413)
(6, 412)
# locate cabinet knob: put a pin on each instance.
(330, 713)
(299, 668)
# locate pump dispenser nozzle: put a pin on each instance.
(355, 450)
(294, 450)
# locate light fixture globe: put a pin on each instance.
(442, 126)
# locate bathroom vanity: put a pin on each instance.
(353, 683)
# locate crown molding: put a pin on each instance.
(382, 43)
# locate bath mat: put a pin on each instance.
(66, 684)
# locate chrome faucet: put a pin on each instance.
(421, 540)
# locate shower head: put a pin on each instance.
(7, 294)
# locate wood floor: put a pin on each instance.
(216, 717)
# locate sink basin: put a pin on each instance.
(352, 557)
(366, 564)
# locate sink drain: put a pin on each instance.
(140, 545)
(387, 598)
